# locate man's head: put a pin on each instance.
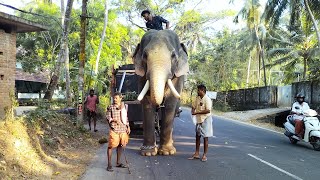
(146, 15)
(91, 92)
(117, 97)
(300, 98)
(201, 90)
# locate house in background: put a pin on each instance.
(29, 86)
(9, 27)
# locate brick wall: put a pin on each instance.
(7, 68)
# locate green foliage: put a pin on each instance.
(221, 106)
(218, 65)
(292, 53)
(104, 102)
(40, 115)
(218, 59)
(38, 50)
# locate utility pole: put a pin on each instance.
(82, 58)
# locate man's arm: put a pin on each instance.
(207, 105)
(109, 117)
(294, 110)
(206, 111)
(85, 101)
(165, 21)
(97, 101)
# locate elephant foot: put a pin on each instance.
(149, 150)
(167, 150)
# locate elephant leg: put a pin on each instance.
(166, 141)
(149, 147)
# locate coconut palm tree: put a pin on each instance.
(251, 12)
(276, 8)
(292, 50)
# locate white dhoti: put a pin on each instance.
(205, 129)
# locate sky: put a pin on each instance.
(212, 6)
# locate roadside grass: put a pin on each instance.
(44, 145)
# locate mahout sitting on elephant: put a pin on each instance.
(161, 61)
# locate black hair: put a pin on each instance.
(300, 95)
(117, 94)
(145, 12)
(202, 87)
(91, 90)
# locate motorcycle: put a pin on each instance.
(311, 126)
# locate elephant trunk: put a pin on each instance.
(157, 85)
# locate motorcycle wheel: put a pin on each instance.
(316, 144)
(292, 140)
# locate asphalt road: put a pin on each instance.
(237, 151)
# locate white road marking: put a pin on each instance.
(181, 120)
(275, 167)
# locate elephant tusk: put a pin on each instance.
(173, 89)
(144, 91)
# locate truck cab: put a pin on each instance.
(125, 80)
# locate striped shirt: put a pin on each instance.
(114, 119)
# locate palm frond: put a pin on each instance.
(314, 53)
(315, 6)
(269, 10)
(278, 51)
(282, 5)
(279, 61)
(295, 15)
(277, 40)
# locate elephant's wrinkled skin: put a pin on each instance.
(160, 59)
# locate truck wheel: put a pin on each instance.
(292, 140)
(316, 144)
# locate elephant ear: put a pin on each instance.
(137, 59)
(183, 66)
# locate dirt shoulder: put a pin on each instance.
(46, 146)
(260, 117)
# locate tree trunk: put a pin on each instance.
(82, 57)
(263, 64)
(63, 11)
(261, 58)
(62, 54)
(305, 62)
(314, 22)
(68, 90)
(67, 72)
(102, 36)
(248, 72)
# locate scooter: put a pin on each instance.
(312, 129)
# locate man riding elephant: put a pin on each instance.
(161, 62)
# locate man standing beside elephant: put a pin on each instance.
(119, 129)
(201, 108)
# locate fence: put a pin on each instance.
(271, 96)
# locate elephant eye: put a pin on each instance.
(145, 56)
(173, 54)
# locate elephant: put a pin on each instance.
(161, 62)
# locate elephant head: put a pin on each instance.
(159, 58)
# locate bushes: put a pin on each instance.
(102, 106)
